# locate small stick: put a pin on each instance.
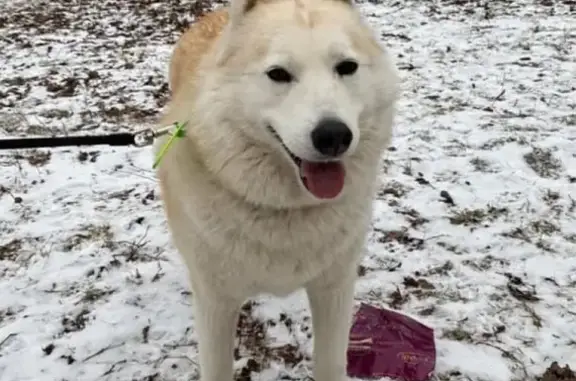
(7, 338)
(99, 352)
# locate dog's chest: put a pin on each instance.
(278, 252)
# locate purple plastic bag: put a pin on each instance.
(384, 343)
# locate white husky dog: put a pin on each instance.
(289, 106)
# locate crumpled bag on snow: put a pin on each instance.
(384, 343)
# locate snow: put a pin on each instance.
(91, 287)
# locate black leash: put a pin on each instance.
(125, 139)
(139, 139)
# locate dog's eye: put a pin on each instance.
(346, 67)
(279, 75)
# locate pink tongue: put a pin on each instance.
(323, 180)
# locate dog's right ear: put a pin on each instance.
(239, 8)
(347, 2)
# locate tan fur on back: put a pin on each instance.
(192, 45)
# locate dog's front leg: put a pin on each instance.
(331, 301)
(216, 318)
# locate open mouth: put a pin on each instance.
(323, 179)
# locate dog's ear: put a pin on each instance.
(347, 2)
(238, 8)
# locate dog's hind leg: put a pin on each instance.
(331, 301)
(216, 318)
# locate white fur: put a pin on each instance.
(237, 210)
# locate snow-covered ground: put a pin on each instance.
(474, 231)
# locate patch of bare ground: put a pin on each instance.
(555, 372)
(543, 162)
(254, 343)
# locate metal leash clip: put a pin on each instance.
(146, 136)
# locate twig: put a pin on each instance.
(161, 360)
(508, 355)
(7, 338)
(159, 274)
(113, 367)
(99, 352)
(499, 96)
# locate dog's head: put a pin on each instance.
(307, 85)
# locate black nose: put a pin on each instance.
(331, 137)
